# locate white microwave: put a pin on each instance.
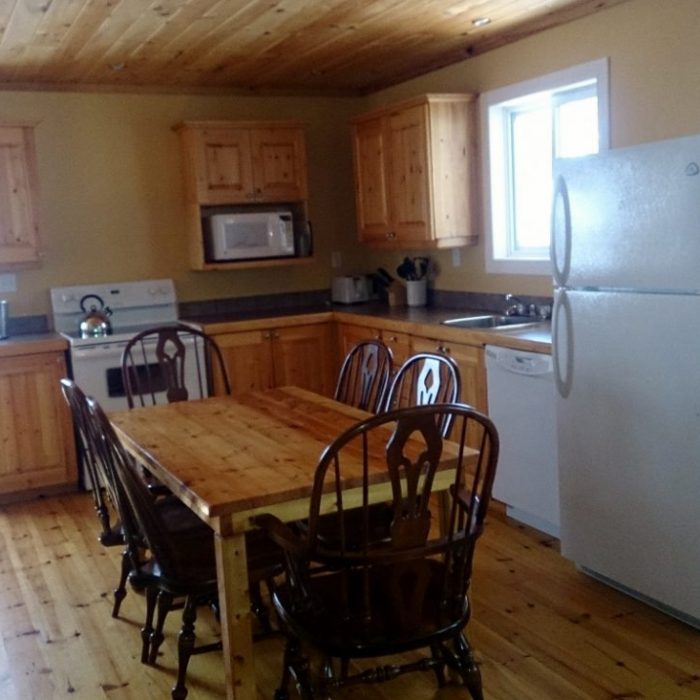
(251, 235)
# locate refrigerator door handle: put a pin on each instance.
(563, 343)
(560, 233)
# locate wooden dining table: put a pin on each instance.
(230, 459)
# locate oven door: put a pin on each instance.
(97, 371)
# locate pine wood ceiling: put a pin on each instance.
(256, 46)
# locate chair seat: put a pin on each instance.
(324, 620)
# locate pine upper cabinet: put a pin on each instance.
(36, 432)
(245, 162)
(242, 167)
(414, 167)
(19, 227)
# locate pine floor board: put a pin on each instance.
(540, 629)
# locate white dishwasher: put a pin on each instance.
(521, 398)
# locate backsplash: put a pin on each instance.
(320, 298)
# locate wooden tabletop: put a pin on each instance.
(225, 455)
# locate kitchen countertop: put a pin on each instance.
(423, 321)
(28, 344)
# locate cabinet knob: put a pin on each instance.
(266, 334)
(392, 338)
(391, 235)
(275, 334)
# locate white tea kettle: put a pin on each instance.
(96, 322)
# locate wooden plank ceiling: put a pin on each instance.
(257, 46)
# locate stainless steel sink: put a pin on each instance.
(490, 321)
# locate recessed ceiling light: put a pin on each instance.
(481, 21)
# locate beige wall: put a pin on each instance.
(111, 190)
(109, 165)
(654, 55)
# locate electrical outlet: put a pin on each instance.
(336, 259)
(456, 257)
(8, 282)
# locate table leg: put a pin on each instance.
(234, 603)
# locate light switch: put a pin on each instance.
(456, 257)
(8, 282)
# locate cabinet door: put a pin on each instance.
(279, 164)
(398, 343)
(472, 371)
(350, 334)
(224, 170)
(372, 180)
(472, 367)
(409, 174)
(400, 346)
(19, 229)
(304, 357)
(36, 432)
(248, 357)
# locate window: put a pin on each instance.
(526, 127)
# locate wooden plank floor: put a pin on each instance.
(540, 629)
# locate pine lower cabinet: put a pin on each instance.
(399, 343)
(301, 355)
(472, 367)
(36, 431)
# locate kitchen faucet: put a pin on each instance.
(514, 306)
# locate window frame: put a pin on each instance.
(495, 105)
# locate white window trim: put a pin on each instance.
(597, 69)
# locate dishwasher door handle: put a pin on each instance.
(526, 364)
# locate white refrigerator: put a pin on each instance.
(626, 345)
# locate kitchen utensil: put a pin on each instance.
(96, 322)
(388, 279)
(412, 269)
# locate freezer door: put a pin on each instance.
(629, 440)
(629, 218)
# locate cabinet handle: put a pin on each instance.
(392, 338)
(378, 337)
(266, 335)
(391, 235)
(275, 335)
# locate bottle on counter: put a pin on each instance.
(4, 318)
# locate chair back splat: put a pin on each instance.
(358, 595)
(425, 378)
(364, 376)
(172, 363)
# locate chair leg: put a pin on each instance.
(260, 610)
(467, 667)
(282, 693)
(299, 668)
(185, 646)
(165, 603)
(120, 590)
(147, 629)
(440, 668)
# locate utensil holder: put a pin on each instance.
(416, 292)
